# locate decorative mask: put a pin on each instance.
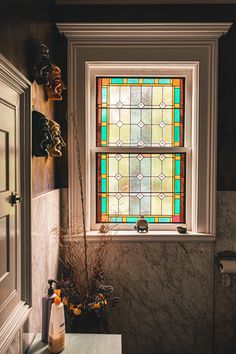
(41, 135)
(56, 86)
(58, 142)
(42, 66)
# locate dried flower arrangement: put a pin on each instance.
(83, 292)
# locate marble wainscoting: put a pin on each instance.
(45, 250)
(166, 296)
(171, 297)
(225, 298)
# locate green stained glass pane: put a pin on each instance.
(104, 205)
(104, 185)
(148, 81)
(177, 115)
(103, 167)
(177, 206)
(132, 81)
(140, 111)
(104, 94)
(150, 220)
(141, 184)
(177, 167)
(104, 115)
(177, 95)
(164, 81)
(177, 134)
(104, 133)
(116, 80)
(164, 220)
(177, 185)
(116, 219)
(131, 220)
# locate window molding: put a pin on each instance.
(165, 41)
(93, 69)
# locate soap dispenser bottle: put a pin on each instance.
(47, 302)
(56, 334)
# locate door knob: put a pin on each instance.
(15, 198)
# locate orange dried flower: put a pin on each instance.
(76, 311)
(96, 305)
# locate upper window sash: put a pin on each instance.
(140, 111)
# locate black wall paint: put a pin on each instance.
(24, 19)
(226, 172)
(20, 21)
(145, 13)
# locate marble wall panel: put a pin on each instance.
(45, 248)
(225, 297)
(166, 296)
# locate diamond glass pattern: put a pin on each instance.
(140, 111)
(130, 185)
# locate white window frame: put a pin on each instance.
(187, 70)
(158, 44)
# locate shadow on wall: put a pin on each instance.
(227, 112)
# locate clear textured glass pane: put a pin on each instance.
(131, 185)
(140, 111)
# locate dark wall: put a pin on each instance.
(20, 21)
(227, 112)
(226, 175)
(145, 13)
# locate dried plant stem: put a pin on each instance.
(75, 131)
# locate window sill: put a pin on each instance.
(151, 236)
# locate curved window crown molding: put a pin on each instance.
(168, 44)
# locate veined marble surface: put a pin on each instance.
(166, 302)
(225, 298)
(171, 297)
(45, 247)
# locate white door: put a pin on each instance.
(10, 206)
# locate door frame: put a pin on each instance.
(19, 83)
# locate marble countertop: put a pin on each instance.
(78, 343)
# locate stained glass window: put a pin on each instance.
(140, 111)
(130, 185)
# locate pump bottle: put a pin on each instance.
(47, 302)
(56, 335)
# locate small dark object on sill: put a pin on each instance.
(141, 225)
(181, 229)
